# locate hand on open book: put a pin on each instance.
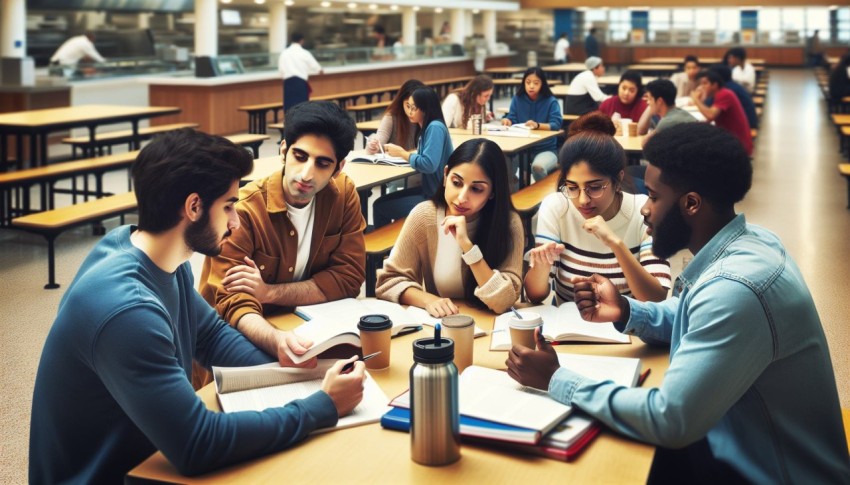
(597, 299)
(345, 390)
(298, 345)
(530, 367)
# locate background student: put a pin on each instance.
(661, 104)
(534, 106)
(742, 71)
(590, 225)
(113, 381)
(686, 81)
(472, 100)
(583, 93)
(750, 394)
(434, 148)
(839, 79)
(469, 224)
(562, 49)
(744, 97)
(396, 127)
(628, 103)
(725, 110)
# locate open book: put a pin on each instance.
(563, 324)
(381, 158)
(260, 387)
(494, 396)
(518, 130)
(335, 322)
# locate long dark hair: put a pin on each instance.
(401, 124)
(468, 96)
(428, 102)
(545, 90)
(494, 220)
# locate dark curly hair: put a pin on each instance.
(701, 158)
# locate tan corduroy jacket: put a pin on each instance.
(412, 260)
(337, 261)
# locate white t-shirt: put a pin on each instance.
(302, 218)
(561, 49)
(586, 83)
(584, 254)
(453, 111)
(448, 262)
(297, 61)
(746, 77)
(75, 49)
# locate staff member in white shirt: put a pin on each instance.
(562, 49)
(584, 95)
(76, 48)
(296, 64)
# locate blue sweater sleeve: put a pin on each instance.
(512, 111)
(429, 157)
(137, 361)
(554, 116)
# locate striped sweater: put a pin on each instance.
(584, 254)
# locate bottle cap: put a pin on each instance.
(374, 323)
(436, 350)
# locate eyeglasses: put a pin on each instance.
(592, 191)
(410, 108)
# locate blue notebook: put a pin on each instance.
(399, 420)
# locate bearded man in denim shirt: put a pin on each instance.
(750, 394)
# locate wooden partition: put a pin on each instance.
(214, 105)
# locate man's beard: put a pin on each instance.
(671, 235)
(201, 237)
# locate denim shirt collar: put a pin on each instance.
(710, 253)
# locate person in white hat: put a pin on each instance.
(584, 95)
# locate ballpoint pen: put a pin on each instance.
(349, 366)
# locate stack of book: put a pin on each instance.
(497, 411)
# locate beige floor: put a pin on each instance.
(797, 193)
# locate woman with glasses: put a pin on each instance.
(465, 243)
(534, 106)
(592, 226)
(395, 127)
(458, 108)
(423, 109)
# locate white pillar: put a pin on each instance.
(408, 26)
(144, 21)
(458, 24)
(206, 28)
(489, 21)
(277, 28)
(468, 23)
(13, 25)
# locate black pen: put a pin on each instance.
(349, 366)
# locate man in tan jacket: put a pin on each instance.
(301, 236)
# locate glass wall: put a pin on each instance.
(776, 25)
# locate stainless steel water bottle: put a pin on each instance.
(434, 413)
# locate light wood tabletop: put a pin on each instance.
(654, 67)
(704, 61)
(80, 115)
(509, 144)
(370, 454)
(569, 67)
(631, 144)
(613, 80)
(505, 70)
(364, 175)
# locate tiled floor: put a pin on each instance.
(796, 192)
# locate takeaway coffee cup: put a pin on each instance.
(522, 330)
(633, 129)
(461, 329)
(375, 334)
(626, 123)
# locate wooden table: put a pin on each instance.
(563, 71)
(504, 72)
(510, 145)
(365, 176)
(655, 69)
(370, 454)
(704, 61)
(502, 85)
(38, 124)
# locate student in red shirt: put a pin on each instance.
(628, 102)
(726, 111)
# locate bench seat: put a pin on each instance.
(52, 223)
(111, 138)
(379, 243)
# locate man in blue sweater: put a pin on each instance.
(750, 394)
(113, 384)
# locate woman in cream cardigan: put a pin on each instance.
(465, 243)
